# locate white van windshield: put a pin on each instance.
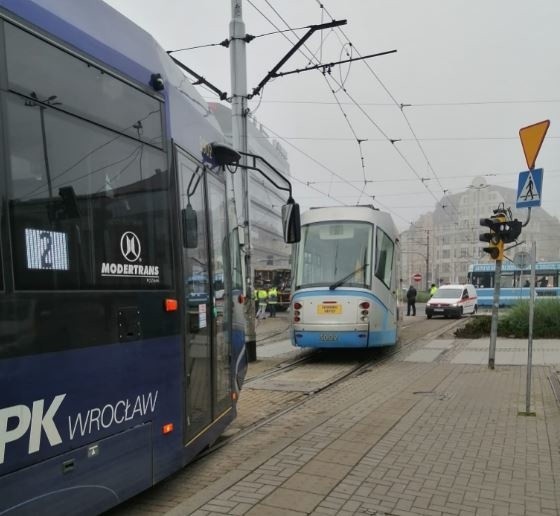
(448, 293)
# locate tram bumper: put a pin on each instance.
(333, 336)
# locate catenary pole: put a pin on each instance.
(239, 113)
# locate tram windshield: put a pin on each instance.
(335, 253)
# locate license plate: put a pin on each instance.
(329, 309)
(438, 309)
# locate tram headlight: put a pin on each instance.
(365, 312)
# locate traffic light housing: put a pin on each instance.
(494, 238)
(511, 230)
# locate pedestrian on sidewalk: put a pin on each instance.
(411, 301)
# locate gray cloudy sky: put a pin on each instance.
(470, 72)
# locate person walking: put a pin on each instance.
(433, 289)
(272, 300)
(411, 301)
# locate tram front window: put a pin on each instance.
(333, 252)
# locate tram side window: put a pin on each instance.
(42, 71)
(384, 257)
(88, 206)
(1, 266)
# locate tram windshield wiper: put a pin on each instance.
(347, 277)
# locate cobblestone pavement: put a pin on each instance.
(406, 438)
(424, 436)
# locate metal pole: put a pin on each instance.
(45, 152)
(239, 112)
(427, 258)
(495, 310)
(531, 315)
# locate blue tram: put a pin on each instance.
(345, 279)
(116, 367)
(515, 282)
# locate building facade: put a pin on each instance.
(268, 249)
(441, 245)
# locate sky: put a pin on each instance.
(398, 131)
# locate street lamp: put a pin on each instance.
(477, 185)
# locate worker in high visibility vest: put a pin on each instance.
(262, 297)
(433, 289)
(256, 300)
(272, 301)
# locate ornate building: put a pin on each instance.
(441, 245)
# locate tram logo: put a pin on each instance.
(131, 250)
(130, 246)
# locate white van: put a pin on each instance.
(452, 301)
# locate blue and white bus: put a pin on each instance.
(116, 367)
(515, 282)
(345, 279)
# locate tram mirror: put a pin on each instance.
(291, 222)
(190, 227)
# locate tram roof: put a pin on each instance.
(366, 213)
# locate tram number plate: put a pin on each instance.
(329, 309)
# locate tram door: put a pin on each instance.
(221, 291)
(196, 274)
(207, 337)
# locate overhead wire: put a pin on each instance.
(309, 184)
(226, 42)
(315, 59)
(423, 104)
(397, 103)
(364, 112)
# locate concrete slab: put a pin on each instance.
(306, 378)
(274, 349)
(424, 355)
(470, 357)
(441, 344)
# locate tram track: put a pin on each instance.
(272, 418)
(359, 368)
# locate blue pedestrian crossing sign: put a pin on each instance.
(529, 188)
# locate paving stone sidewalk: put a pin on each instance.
(409, 438)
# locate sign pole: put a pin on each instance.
(530, 341)
(495, 310)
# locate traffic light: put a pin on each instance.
(511, 230)
(494, 238)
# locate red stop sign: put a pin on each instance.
(417, 277)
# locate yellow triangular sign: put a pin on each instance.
(532, 137)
